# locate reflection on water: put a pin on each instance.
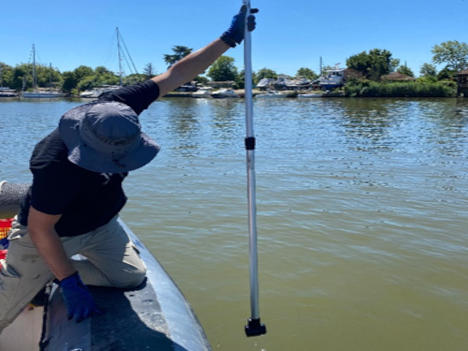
(361, 212)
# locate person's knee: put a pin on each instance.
(131, 278)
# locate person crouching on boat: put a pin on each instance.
(73, 203)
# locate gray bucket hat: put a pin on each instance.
(106, 137)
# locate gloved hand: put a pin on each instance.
(80, 304)
(235, 33)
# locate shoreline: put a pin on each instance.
(240, 93)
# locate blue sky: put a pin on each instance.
(290, 34)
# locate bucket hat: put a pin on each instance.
(106, 137)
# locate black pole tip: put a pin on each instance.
(255, 328)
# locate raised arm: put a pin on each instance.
(197, 62)
(189, 67)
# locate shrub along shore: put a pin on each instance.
(366, 88)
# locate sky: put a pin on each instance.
(290, 34)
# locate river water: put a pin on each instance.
(362, 216)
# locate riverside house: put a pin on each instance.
(462, 79)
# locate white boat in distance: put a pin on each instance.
(7, 92)
(309, 95)
(271, 94)
(203, 93)
(44, 94)
(225, 93)
(94, 93)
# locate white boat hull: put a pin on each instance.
(41, 95)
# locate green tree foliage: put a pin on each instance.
(401, 89)
(179, 52)
(69, 82)
(452, 53)
(100, 76)
(134, 78)
(428, 70)
(148, 71)
(372, 65)
(307, 73)
(446, 74)
(6, 75)
(403, 69)
(48, 76)
(201, 80)
(265, 73)
(223, 69)
(82, 72)
(21, 77)
(240, 79)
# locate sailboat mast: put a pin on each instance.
(118, 51)
(34, 68)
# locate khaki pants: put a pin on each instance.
(112, 260)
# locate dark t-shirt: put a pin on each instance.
(85, 199)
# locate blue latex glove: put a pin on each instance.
(80, 304)
(235, 33)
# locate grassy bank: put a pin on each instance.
(366, 88)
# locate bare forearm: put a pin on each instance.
(51, 250)
(190, 66)
(197, 62)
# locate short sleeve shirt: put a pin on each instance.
(85, 200)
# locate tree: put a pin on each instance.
(446, 74)
(240, 79)
(6, 74)
(179, 53)
(69, 81)
(48, 76)
(453, 53)
(403, 69)
(428, 70)
(201, 80)
(148, 71)
(266, 73)
(22, 77)
(82, 71)
(223, 69)
(307, 73)
(374, 64)
(134, 78)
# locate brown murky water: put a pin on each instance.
(362, 216)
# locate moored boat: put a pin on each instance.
(94, 93)
(271, 94)
(309, 95)
(38, 93)
(202, 93)
(154, 316)
(224, 93)
(7, 92)
(42, 94)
